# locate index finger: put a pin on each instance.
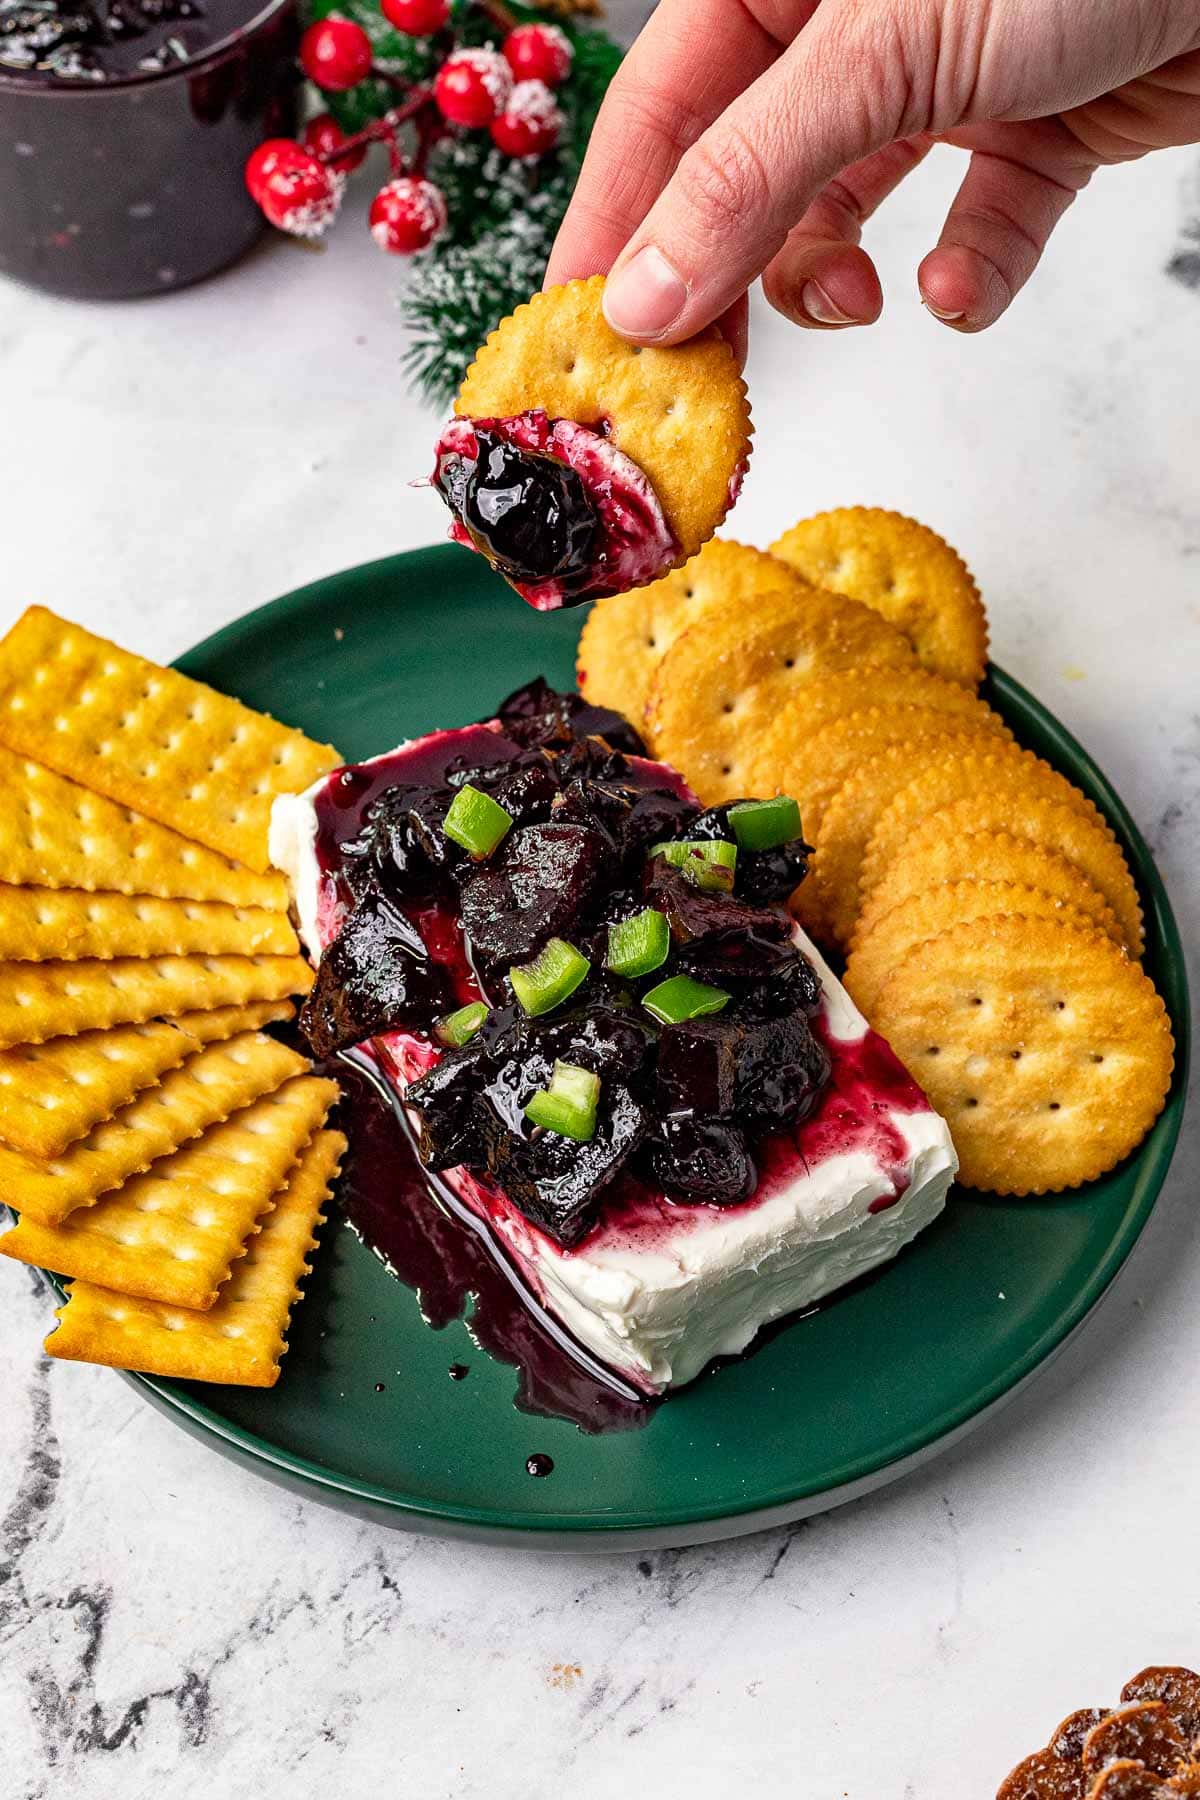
(693, 58)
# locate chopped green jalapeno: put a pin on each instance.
(639, 945)
(680, 997)
(708, 863)
(476, 821)
(569, 1104)
(764, 824)
(458, 1028)
(550, 978)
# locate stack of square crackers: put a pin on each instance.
(992, 924)
(160, 1148)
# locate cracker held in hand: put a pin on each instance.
(56, 999)
(241, 1339)
(174, 1233)
(40, 924)
(626, 637)
(985, 856)
(1047, 1050)
(627, 459)
(215, 1082)
(906, 572)
(723, 681)
(54, 833)
(148, 737)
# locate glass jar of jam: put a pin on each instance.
(124, 128)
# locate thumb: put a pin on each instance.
(841, 90)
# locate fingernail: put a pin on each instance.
(947, 318)
(819, 306)
(645, 298)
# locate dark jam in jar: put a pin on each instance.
(124, 129)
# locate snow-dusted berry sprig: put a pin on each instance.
(507, 92)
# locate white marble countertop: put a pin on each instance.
(173, 1627)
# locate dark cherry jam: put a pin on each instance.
(529, 514)
(421, 926)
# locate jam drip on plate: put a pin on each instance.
(553, 505)
(455, 1269)
(603, 987)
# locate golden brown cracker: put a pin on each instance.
(904, 738)
(57, 999)
(174, 1233)
(226, 1021)
(1047, 1050)
(215, 1082)
(149, 737)
(1055, 825)
(928, 914)
(39, 924)
(680, 413)
(723, 680)
(964, 772)
(53, 1093)
(241, 1339)
(625, 637)
(907, 573)
(829, 697)
(985, 856)
(856, 790)
(55, 833)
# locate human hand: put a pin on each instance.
(748, 137)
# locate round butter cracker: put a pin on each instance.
(1048, 1052)
(906, 572)
(679, 412)
(626, 636)
(721, 683)
(984, 856)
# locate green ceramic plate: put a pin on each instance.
(830, 1405)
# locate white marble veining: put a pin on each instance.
(173, 1627)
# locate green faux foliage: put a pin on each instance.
(503, 214)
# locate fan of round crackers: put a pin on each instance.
(724, 679)
(1048, 1052)
(681, 413)
(848, 814)
(906, 572)
(927, 915)
(1082, 838)
(626, 636)
(829, 697)
(984, 856)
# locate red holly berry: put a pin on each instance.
(472, 86)
(336, 54)
(407, 215)
(539, 53)
(272, 155)
(323, 135)
(531, 122)
(417, 18)
(297, 193)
